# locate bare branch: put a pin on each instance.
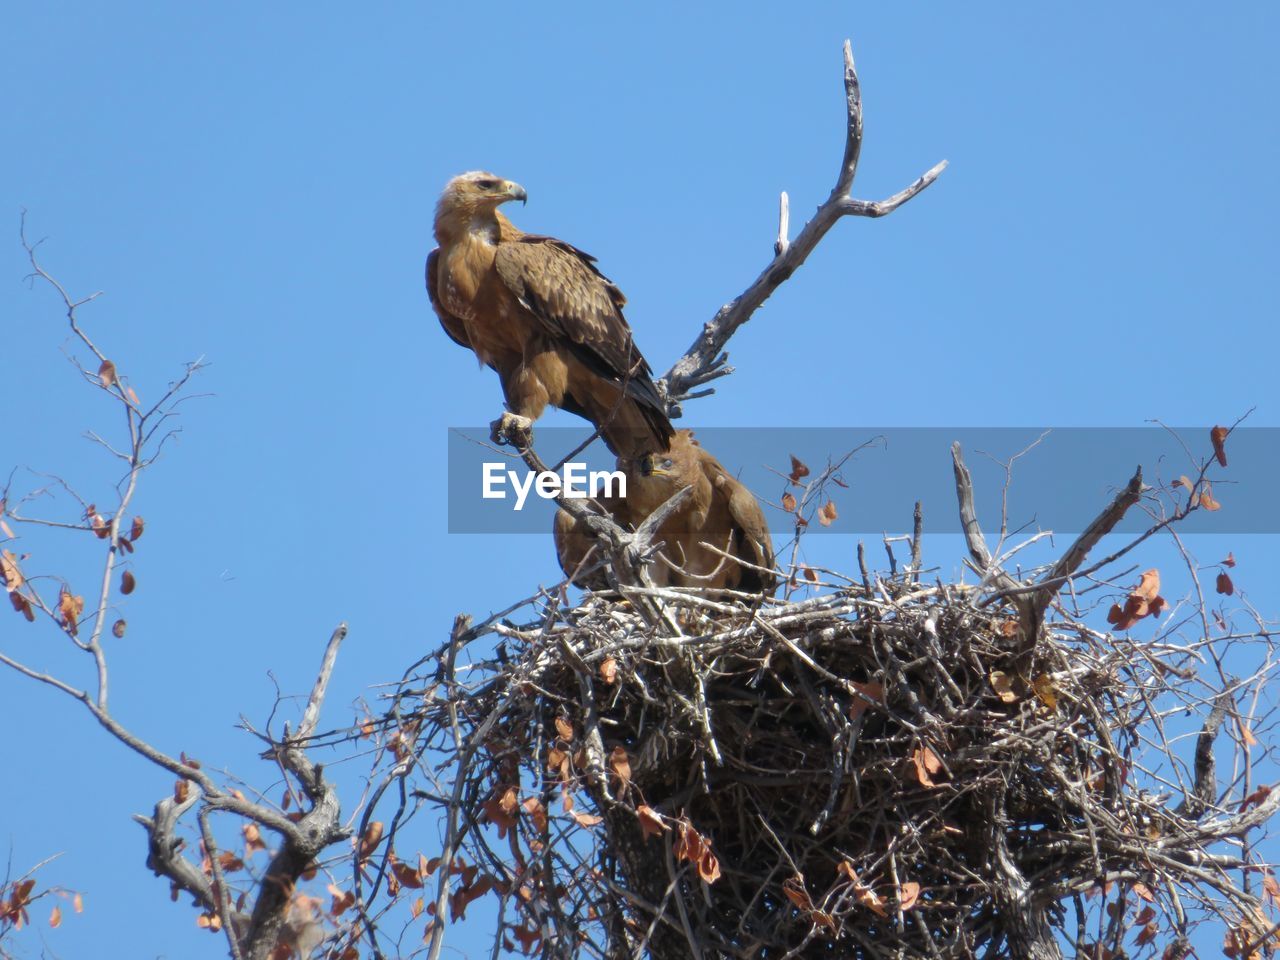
(705, 359)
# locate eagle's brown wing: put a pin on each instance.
(751, 539)
(581, 309)
(452, 324)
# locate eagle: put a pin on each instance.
(720, 512)
(539, 312)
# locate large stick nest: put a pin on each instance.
(875, 771)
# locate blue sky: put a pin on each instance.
(254, 184)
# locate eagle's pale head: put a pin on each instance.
(477, 192)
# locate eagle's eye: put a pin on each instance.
(666, 464)
(486, 184)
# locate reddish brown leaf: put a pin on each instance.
(871, 691)
(1148, 934)
(908, 894)
(55, 916)
(708, 867)
(537, 813)
(788, 502)
(1271, 887)
(620, 764)
(1225, 585)
(128, 582)
(70, 608)
(798, 470)
(135, 529)
(794, 889)
(118, 628)
(1230, 561)
(1218, 437)
(565, 729)
(23, 606)
(827, 514)
(810, 574)
(370, 840)
(609, 671)
(1142, 890)
(1246, 735)
(407, 875)
(107, 373)
(689, 844)
(1146, 916)
(651, 824)
(926, 764)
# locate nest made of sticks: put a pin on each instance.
(872, 771)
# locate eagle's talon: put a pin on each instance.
(512, 429)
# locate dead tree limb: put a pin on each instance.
(705, 360)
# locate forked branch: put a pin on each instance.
(705, 360)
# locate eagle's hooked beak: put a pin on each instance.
(649, 467)
(516, 192)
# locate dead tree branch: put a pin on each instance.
(705, 360)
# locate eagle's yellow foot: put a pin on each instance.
(513, 429)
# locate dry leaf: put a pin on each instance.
(565, 729)
(798, 470)
(1271, 887)
(1185, 481)
(1142, 890)
(1147, 934)
(620, 764)
(1046, 691)
(794, 889)
(1003, 686)
(708, 867)
(55, 916)
(135, 529)
(1225, 585)
(651, 824)
(609, 671)
(9, 567)
(810, 574)
(537, 813)
(1247, 735)
(586, 819)
(788, 502)
(1207, 501)
(107, 373)
(407, 876)
(926, 764)
(1230, 561)
(77, 903)
(827, 515)
(1143, 601)
(118, 628)
(871, 691)
(128, 582)
(69, 609)
(369, 841)
(1218, 437)
(908, 894)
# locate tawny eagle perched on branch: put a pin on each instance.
(537, 311)
(720, 512)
